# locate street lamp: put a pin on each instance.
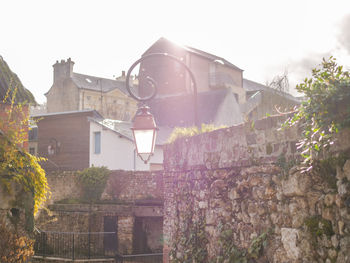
(144, 127)
(144, 130)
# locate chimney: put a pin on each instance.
(123, 74)
(62, 70)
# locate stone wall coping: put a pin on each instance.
(260, 142)
(152, 210)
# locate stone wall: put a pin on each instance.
(232, 193)
(256, 142)
(121, 185)
(128, 195)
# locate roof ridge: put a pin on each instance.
(194, 51)
(117, 80)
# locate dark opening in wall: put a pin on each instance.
(110, 225)
(148, 232)
(14, 212)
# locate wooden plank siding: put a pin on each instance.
(71, 132)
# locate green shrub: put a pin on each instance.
(180, 132)
(93, 181)
(325, 110)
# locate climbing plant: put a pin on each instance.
(231, 253)
(16, 164)
(325, 110)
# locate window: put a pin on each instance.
(97, 142)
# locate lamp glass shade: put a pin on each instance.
(144, 140)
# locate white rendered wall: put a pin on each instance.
(117, 152)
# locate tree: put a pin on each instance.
(280, 83)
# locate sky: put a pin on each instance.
(264, 38)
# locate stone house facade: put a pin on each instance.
(224, 96)
(72, 91)
(211, 72)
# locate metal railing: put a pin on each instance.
(76, 245)
(140, 258)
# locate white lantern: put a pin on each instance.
(145, 132)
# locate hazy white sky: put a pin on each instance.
(104, 37)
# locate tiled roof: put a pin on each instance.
(98, 84)
(178, 111)
(95, 113)
(251, 86)
(123, 129)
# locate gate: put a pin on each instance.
(75, 245)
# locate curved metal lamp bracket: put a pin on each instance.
(154, 84)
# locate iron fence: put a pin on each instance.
(140, 258)
(76, 245)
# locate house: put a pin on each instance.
(263, 100)
(75, 140)
(112, 145)
(72, 91)
(224, 96)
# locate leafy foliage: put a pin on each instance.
(94, 181)
(325, 111)
(15, 247)
(230, 252)
(16, 164)
(181, 132)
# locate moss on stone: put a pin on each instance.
(318, 226)
(268, 148)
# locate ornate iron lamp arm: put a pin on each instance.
(154, 84)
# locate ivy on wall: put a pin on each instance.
(16, 164)
(231, 253)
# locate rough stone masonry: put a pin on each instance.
(238, 183)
